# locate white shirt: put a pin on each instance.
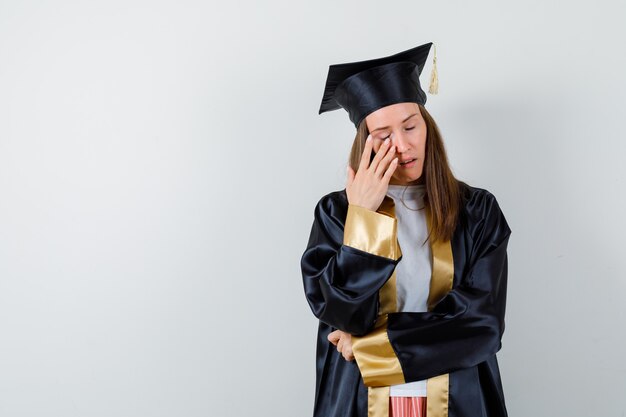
(413, 271)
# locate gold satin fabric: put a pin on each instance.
(438, 387)
(383, 369)
(376, 358)
(378, 401)
(443, 268)
(437, 391)
(371, 231)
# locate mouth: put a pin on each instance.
(408, 162)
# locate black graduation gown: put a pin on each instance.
(459, 336)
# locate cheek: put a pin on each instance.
(420, 140)
(415, 140)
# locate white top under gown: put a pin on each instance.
(414, 270)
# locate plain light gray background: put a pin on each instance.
(160, 161)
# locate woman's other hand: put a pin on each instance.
(343, 341)
(367, 188)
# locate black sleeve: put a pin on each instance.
(341, 279)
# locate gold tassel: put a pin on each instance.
(434, 79)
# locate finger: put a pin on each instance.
(382, 151)
(350, 178)
(384, 163)
(333, 337)
(340, 345)
(348, 351)
(367, 151)
(390, 170)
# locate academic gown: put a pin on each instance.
(348, 270)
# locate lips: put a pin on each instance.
(407, 161)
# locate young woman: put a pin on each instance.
(405, 268)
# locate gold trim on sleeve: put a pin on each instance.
(371, 231)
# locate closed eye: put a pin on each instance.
(408, 128)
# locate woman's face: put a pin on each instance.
(404, 125)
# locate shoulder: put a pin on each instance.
(476, 199)
(481, 209)
(333, 201)
(472, 195)
(332, 208)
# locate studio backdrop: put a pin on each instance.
(160, 163)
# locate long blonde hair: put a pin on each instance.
(443, 193)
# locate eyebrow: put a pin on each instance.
(386, 127)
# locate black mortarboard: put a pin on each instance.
(365, 86)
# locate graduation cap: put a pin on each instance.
(365, 86)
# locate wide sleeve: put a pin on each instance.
(351, 252)
(463, 329)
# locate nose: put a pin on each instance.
(401, 143)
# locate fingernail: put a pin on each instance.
(369, 138)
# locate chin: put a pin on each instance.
(409, 177)
(415, 177)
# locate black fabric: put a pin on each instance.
(460, 336)
(465, 327)
(365, 86)
(341, 282)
